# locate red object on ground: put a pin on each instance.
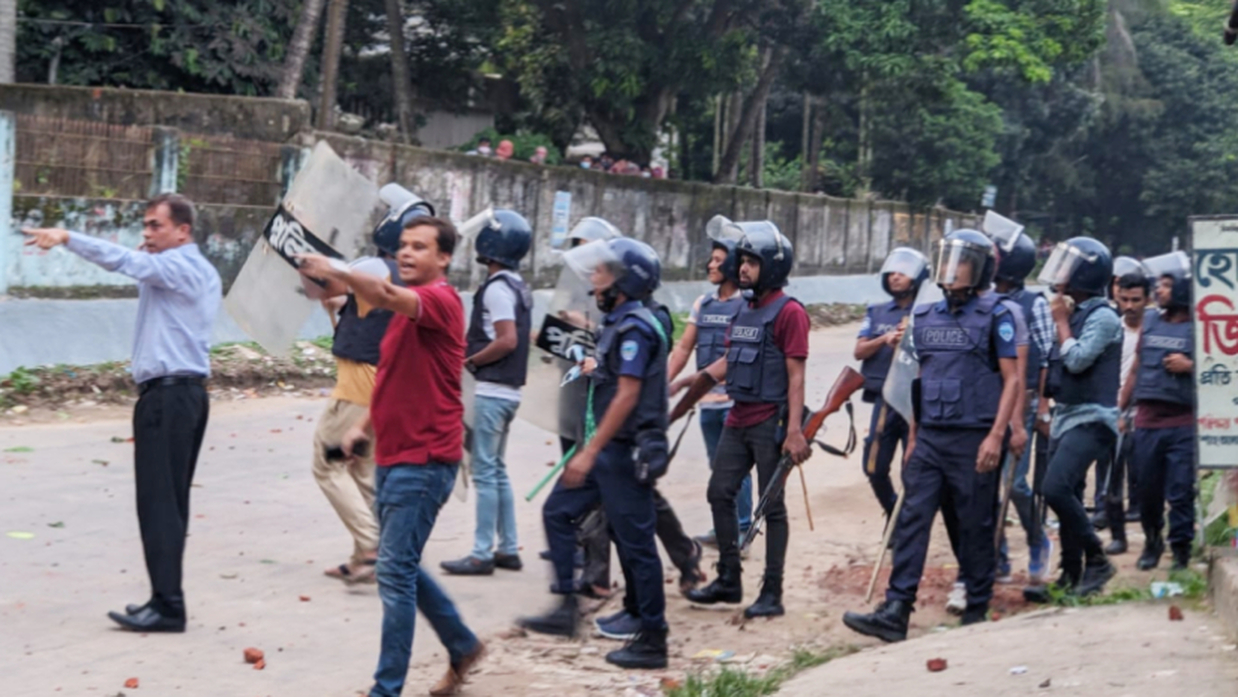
(253, 655)
(936, 665)
(132, 683)
(261, 664)
(1175, 613)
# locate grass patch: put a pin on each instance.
(1194, 587)
(733, 682)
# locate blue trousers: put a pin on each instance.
(944, 464)
(712, 422)
(1165, 458)
(629, 507)
(886, 431)
(408, 499)
(496, 507)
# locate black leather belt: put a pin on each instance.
(169, 381)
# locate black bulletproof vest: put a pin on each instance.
(885, 319)
(358, 338)
(651, 408)
(1099, 383)
(513, 368)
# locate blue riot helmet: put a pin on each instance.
(504, 239)
(909, 262)
(1124, 265)
(404, 207)
(627, 266)
(1080, 264)
(590, 229)
(763, 242)
(1177, 266)
(724, 234)
(966, 247)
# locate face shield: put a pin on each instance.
(592, 229)
(722, 229)
(599, 269)
(960, 262)
(906, 261)
(1062, 264)
(1175, 264)
(1002, 230)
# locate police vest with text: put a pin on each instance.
(513, 368)
(960, 379)
(651, 408)
(756, 369)
(357, 338)
(1098, 384)
(712, 321)
(1158, 340)
(885, 318)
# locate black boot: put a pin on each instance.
(561, 621)
(1096, 574)
(888, 622)
(975, 614)
(727, 588)
(1182, 556)
(769, 602)
(646, 652)
(1043, 594)
(1153, 548)
(1118, 546)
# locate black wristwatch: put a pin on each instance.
(470, 366)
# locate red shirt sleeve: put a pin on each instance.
(791, 330)
(441, 309)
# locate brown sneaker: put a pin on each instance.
(456, 675)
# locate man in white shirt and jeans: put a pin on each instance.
(1131, 291)
(498, 357)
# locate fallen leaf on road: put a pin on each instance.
(936, 665)
(305, 598)
(21, 535)
(670, 684)
(227, 576)
(1045, 683)
(19, 449)
(253, 655)
(57, 524)
(100, 462)
(277, 430)
(132, 683)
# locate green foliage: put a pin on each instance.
(21, 381)
(730, 682)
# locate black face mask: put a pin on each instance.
(956, 299)
(607, 299)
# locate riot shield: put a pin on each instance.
(905, 368)
(326, 210)
(572, 317)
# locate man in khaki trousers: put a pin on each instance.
(348, 483)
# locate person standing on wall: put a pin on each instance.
(498, 357)
(884, 323)
(348, 483)
(1162, 387)
(705, 334)
(418, 442)
(179, 293)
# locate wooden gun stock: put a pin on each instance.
(848, 382)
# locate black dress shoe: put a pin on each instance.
(511, 562)
(888, 623)
(469, 566)
(148, 620)
(135, 609)
(1116, 547)
(975, 614)
(1153, 548)
(561, 621)
(769, 601)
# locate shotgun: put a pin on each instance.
(847, 384)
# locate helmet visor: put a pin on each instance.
(1002, 230)
(591, 229)
(959, 261)
(1125, 265)
(595, 263)
(1062, 264)
(1175, 264)
(906, 261)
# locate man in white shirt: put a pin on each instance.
(1132, 296)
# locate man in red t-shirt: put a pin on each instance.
(417, 418)
(767, 345)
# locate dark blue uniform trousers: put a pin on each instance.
(1165, 459)
(944, 465)
(886, 430)
(1070, 455)
(629, 506)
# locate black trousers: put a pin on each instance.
(1121, 473)
(1070, 455)
(169, 422)
(739, 450)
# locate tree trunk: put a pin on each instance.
(8, 41)
(729, 167)
(298, 49)
(805, 137)
(717, 135)
(757, 163)
(331, 50)
(399, 70)
(814, 147)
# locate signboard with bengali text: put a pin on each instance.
(1214, 261)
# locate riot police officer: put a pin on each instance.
(705, 334)
(884, 323)
(1083, 382)
(625, 447)
(965, 396)
(497, 354)
(1163, 390)
(767, 346)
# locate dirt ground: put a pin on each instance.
(262, 533)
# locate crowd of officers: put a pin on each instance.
(1098, 372)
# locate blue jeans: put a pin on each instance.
(712, 421)
(1021, 492)
(408, 499)
(496, 506)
